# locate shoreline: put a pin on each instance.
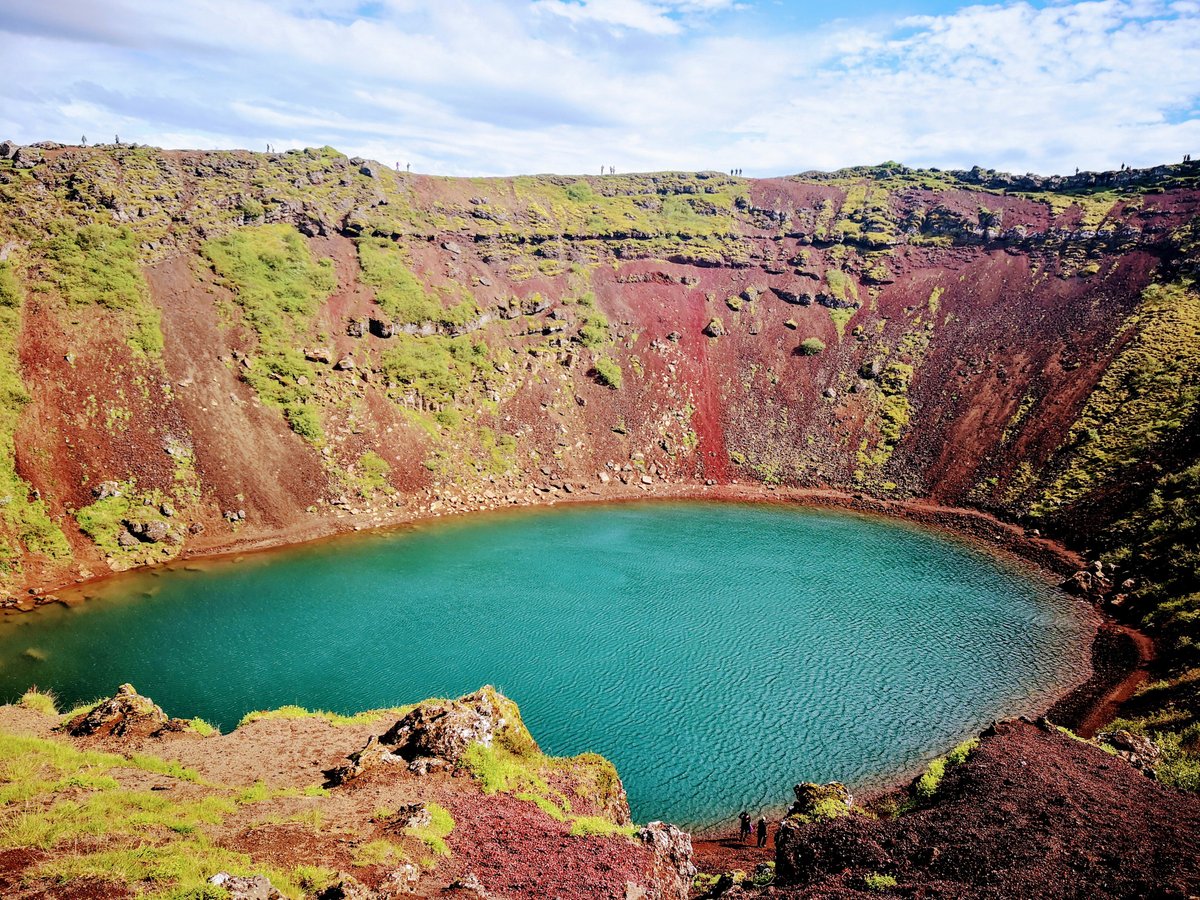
(974, 526)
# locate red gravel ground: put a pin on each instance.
(1032, 813)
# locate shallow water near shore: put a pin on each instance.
(717, 653)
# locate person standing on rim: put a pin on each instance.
(762, 831)
(744, 827)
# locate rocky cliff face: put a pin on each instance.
(207, 350)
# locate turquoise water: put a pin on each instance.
(717, 653)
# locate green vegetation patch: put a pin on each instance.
(39, 701)
(811, 346)
(55, 797)
(608, 372)
(926, 786)
(877, 881)
(1145, 399)
(279, 288)
(434, 835)
(513, 764)
(437, 368)
(596, 826)
(104, 522)
(338, 720)
(841, 286)
(99, 265)
(400, 294)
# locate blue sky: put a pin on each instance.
(507, 86)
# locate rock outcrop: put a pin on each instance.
(360, 761)
(246, 887)
(125, 713)
(672, 866)
(443, 730)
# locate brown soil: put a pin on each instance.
(1033, 813)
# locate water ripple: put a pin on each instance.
(717, 653)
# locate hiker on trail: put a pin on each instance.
(762, 831)
(744, 828)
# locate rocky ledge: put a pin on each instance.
(447, 797)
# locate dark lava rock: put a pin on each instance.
(445, 729)
(371, 755)
(349, 889)
(126, 712)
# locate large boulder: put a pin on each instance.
(444, 729)
(1139, 750)
(246, 887)
(673, 870)
(151, 532)
(126, 712)
(27, 157)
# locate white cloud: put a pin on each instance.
(508, 86)
(660, 17)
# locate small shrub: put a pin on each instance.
(926, 786)
(39, 701)
(877, 881)
(811, 346)
(608, 373)
(579, 192)
(594, 332)
(202, 728)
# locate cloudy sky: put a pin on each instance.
(507, 86)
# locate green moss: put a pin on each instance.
(378, 853)
(841, 286)
(811, 346)
(369, 717)
(1145, 400)
(104, 521)
(498, 769)
(437, 368)
(608, 372)
(595, 826)
(98, 265)
(400, 294)
(279, 288)
(500, 451)
(594, 329)
(926, 786)
(441, 823)
(876, 881)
